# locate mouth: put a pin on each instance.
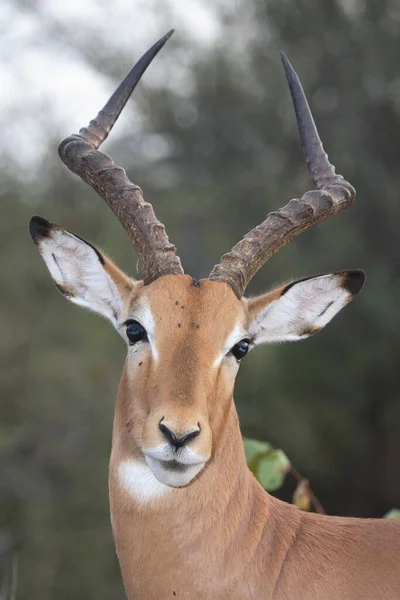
(174, 473)
(173, 465)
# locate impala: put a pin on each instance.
(189, 519)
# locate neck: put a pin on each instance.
(203, 525)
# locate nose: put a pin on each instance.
(176, 440)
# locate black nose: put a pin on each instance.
(178, 441)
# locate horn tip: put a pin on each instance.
(163, 40)
(289, 70)
(284, 58)
(165, 37)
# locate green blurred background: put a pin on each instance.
(211, 138)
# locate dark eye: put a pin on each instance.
(240, 349)
(135, 332)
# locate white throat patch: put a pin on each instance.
(138, 480)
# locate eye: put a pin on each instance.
(135, 332)
(240, 349)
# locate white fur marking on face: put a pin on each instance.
(145, 318)
(172, 478)
(138, 480)
(233, 338)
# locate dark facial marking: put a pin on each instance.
(177, 302)
(179, 324)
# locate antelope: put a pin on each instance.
(189, 519)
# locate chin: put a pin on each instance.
(173, 473)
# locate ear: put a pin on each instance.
(81, 273)
(302, 308)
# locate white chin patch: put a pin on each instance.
(172, 473)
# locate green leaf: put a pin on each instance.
(272, 469)
(268, 464)
(254, 447)
(394, 513)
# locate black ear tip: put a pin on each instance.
(39, 228)
(353, 281)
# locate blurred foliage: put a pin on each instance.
(216, 150)
(271, 465)
(393, 514)
(268, 464)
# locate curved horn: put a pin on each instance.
(333, 194)
(79, 152)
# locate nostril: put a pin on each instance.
(189, 436)
(171, 437)
(176, 440)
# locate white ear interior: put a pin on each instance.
(303, 309)
(78, 272)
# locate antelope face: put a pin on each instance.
(183, 352)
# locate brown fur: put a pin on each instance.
(222, 537)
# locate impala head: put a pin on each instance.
(185, 338)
